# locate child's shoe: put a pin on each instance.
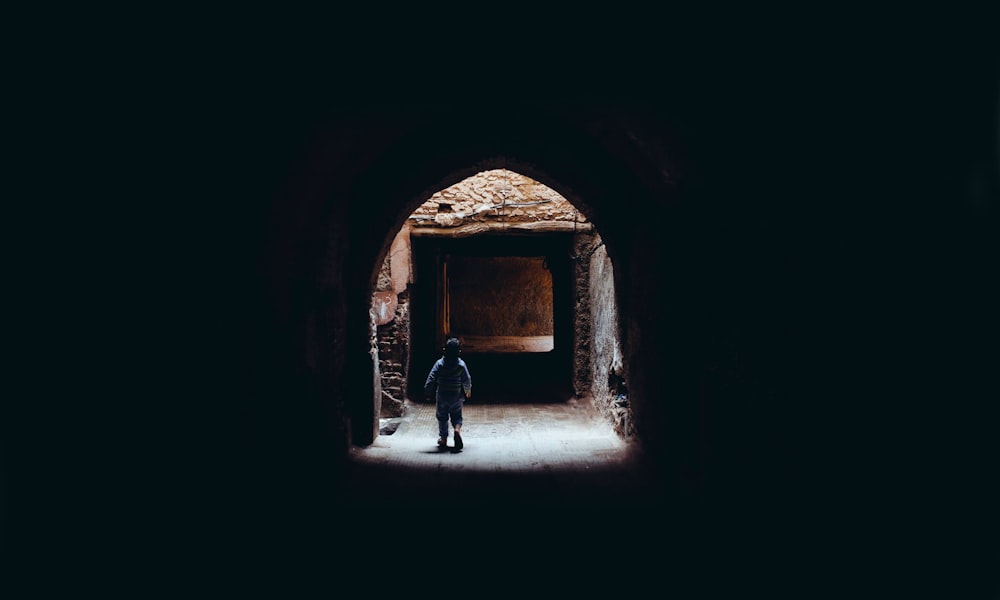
(458, 441)
(442, 442)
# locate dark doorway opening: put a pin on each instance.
(519, 353)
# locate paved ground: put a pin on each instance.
(542, 493)
(503, 437)
(518, 454)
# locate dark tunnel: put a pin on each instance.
(804, 252)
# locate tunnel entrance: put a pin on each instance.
(522, 278)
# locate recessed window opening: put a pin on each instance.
(499, 303)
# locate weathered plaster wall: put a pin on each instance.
(610, 394)
(391, 334)
(393, 359)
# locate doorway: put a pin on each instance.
(509, 299)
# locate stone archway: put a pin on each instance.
(493, 219)
(344, 207)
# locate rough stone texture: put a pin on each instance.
(384, 307)
(582, 330)
(496, 198)
(393, 359)
(464, 229)
(610, 394)
(391, 347)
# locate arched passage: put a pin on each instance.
(505, 264)
(359, 179)
(545, 149)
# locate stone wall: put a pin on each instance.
(583, 334)
(393, 359)
(610, 394)
(391, 332)
(495, 200)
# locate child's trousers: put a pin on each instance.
(449, 407)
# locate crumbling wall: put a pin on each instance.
(393, 358)
(391, 327)
(610, 394)
(583, 334)
(495, 200)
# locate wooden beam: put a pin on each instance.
(478, 228)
